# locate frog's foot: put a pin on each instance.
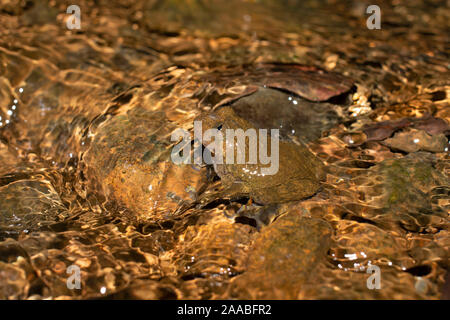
(258, 216)
(217, 192)
(249, 212)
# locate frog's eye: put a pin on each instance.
(219, 127)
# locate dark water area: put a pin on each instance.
(87, 182)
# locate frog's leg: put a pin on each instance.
(218, 191)
(263, 215)
(293, 190)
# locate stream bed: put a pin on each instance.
(87, 180)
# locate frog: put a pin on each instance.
(300, 173)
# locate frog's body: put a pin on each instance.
(298, 176)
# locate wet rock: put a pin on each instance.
(293, 116)
(96, 272)
(297, 176)
(16, 273)
(432, 125)
(39, 12)
(130, 158)
(346, 285)
(417, 140)
(308, 82)
(283, 258)
(410, 173)
(209, 255)
(384, 129)
(28, 205)
(106, 261)
(14, 284)
(403, 188)
(358, 244)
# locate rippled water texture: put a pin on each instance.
(86, 177)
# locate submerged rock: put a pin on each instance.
(409, 179)
(28, 205)
(210, 254)
(14, 284)
(417, 140)
(293, 116)
(404, 190)
(283, 258)
(308, 82)
(130, 158)
(381, 130)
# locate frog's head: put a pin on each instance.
(223, 117)
(210, 121)
(217, 119)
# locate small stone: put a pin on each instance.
(414, 140)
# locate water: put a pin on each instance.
(85, 123)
